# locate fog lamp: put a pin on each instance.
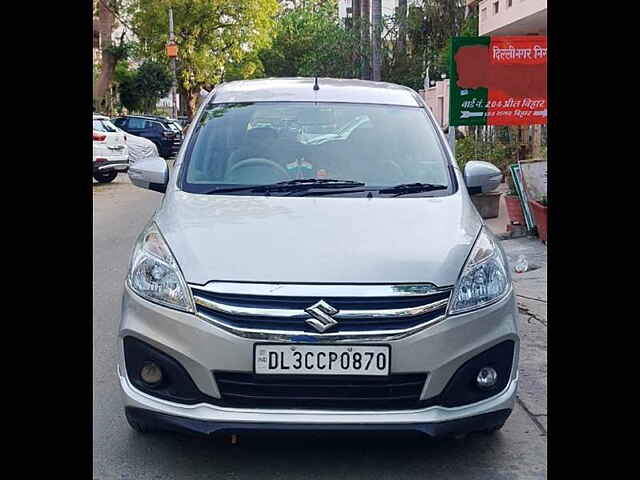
(487, 377)
(151, 373)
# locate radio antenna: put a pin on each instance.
(315, 85)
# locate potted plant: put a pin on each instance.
(539, 210)
(512, 201)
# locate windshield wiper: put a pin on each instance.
(319, 181)
(298, 184)
(405, 188)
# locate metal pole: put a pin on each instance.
(173, 68)
(452, 139)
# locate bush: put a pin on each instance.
(493, 152)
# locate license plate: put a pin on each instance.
(322, 359)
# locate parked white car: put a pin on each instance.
(110, 151)
(140, 148)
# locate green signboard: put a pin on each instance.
(467, 106)
(498, 80)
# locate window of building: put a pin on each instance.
(509, 3)
(496, 7)
(483, 14)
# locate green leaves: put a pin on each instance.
(140, 90)
(120, 52)
(211, 35)
(311, 40)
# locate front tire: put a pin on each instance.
(105, 177)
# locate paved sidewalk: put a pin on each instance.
(531, 294)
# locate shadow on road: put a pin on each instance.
(327, 455)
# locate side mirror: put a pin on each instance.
(151, 173)
(481, 177)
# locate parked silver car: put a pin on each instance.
(348, 284)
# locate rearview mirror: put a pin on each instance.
(150, 173)
(481, 177)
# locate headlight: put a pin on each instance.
(154, 273)
(484, 278)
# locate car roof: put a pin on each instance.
(300, 89)
(101, 117)
(147, 117)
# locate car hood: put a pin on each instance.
(319, 240)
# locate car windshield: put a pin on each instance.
(262, 143)
(103, 126)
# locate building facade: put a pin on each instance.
(512, 17)
(437, 99)
(388, 8)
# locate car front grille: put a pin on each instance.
(287, 313)
(247, 390)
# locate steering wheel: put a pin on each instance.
(251, 162)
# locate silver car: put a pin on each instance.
(348, 284)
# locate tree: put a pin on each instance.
(311, 41)
(401, 19)
(419, 39)
(111, 52)
(376, 44)
(365, 38)
(210, 36)
(130, 97)
(355, 26)
(140, 90)
(154, 81)
(443, 19)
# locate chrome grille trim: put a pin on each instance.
(322, 290)
(342, 314)
(292, 333)
(294, 336)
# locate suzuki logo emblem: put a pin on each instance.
(322, 314)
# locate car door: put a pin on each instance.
(153, 131)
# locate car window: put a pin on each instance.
(104, 126)
(97, 126)
(267, 142)
(157, 126)
(136, 123)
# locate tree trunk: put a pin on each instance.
(402, 30)
(355, 25)
(192, 103)
(365, 17)
(355, 13)
(183, 102)
(106, 23)
(376, 44)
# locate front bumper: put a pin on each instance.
(201, 348)
(161, 421)
(111, 165)
(170, 148)
(209, 419)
